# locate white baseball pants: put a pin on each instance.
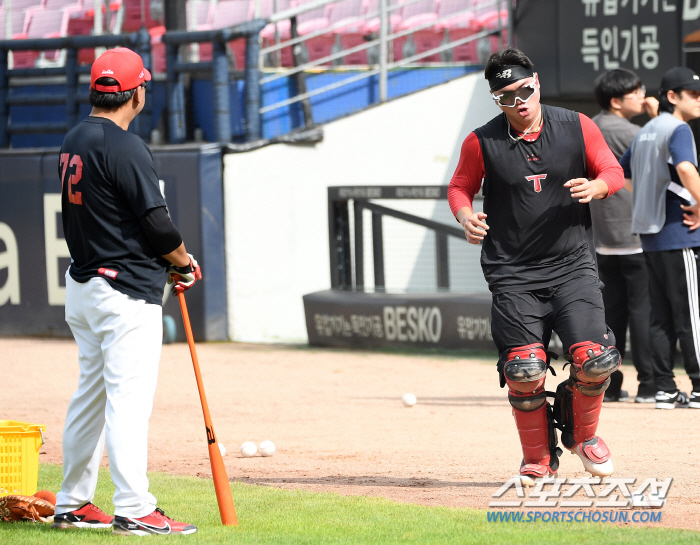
(119, 340)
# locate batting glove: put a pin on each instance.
(184, 278)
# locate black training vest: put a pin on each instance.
(537, 232)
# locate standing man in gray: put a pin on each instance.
(662, 162)
(621, 263)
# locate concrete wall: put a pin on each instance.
(276, 214)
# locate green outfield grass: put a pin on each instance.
(270, 515)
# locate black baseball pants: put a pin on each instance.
(573, 309)
(626, 298)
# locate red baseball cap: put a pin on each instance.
(122, 65)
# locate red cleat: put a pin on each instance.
(88, 516)
(155, 523)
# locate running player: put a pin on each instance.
(122, 246)
(540, 167)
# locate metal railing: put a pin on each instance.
(139, 41)
(218, 67)
(347, 250)
(383, 65)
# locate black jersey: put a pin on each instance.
(108, 182)
(537, 233)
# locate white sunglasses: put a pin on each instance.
(510, 98)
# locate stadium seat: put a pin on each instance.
(82, 22)
(158, 63)
(203, 14)
(132, 16)
(489, 20)
(372, 24)
(227, 13)
(351, 34)
(371, 28)
(200, 14)
(412, 16)
(283, 29)
(313, 21)
(458, 27)
(18, 20)
(58, 4)
(42, 23)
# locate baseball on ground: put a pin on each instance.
(248, 449)
(267, 448)
(408, 400)
(222, 448)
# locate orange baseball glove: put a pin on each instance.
(16, 507)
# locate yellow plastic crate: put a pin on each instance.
(19, 456)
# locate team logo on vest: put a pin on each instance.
(537, 181)
(505, 74)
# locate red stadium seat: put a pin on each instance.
(133, 17)
(489, 20)
(157, 49)
(352, 33)
(458, 27)
(283, 28)
(372, 24)
(313, 21)
(227, 13)
(18, 22)
(414, 15)
(42, 23)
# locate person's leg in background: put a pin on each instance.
(682, 289)
(662, 330)
(615, 299)
(634, 268)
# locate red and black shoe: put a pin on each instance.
(155, 523)
(88, 516)
(595, 456)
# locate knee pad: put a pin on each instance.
(593, 363)
(527, 402)
(525, 368)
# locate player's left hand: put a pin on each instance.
(691, 217)
(586, 190)
(184, 278)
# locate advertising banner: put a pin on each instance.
(371, 320)
(34, 256)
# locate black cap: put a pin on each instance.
(680, 77)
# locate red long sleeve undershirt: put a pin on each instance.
(466, 181)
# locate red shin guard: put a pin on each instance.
(586, 412)
(533, 429)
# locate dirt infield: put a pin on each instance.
(338, 423)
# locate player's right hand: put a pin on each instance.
(691, 216)
(184, 278)
(475, 227)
